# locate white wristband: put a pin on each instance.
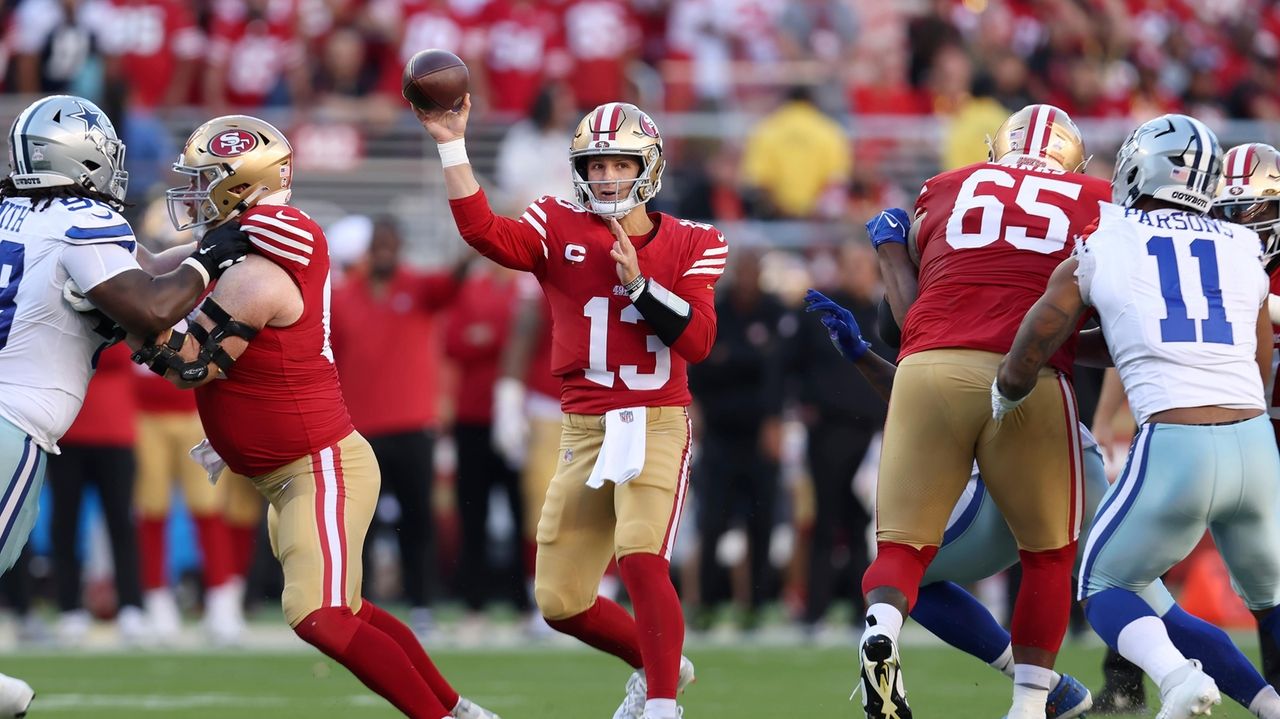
(195, 264)
(453, 152)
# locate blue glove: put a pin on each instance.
(842, 328)
(890, 225)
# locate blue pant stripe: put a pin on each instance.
(1109, 514)
(23, 478)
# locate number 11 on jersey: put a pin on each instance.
(1177, 326)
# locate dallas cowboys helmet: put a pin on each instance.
(1173, 158)
(66, 140)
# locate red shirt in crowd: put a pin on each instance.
(109, 415)
(386, 352)
(249, 52)
(151, 39)
(474, 338)
(522, 48)
(157, 395)
(602, 37)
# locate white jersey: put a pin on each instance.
(47, 349)
(1178, 296)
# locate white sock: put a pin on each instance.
(1266, 704)
(1030, 690)
(1004, 664)
(1145, 642)
(660, 709)
(883, 619)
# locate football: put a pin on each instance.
(435, 80)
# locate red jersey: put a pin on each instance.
(602, 350)
(989, 238)
(109, 415)
(281, 400)
(157, 395)
(252, 51)
(474, 338)
(390, 391)
(538, 377)
(522, 41)
(151, 38)
(599, 67)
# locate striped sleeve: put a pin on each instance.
(89, 222)
(520, 244)
(279, 237)
(697, 287)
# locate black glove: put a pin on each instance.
(222, 247)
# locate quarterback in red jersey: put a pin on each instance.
(1249, 195)
(631, 295)
(258, 357)
(984, 241)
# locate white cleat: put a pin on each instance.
(133, 628)
(15, 697)
(467, 709)
(223, 616)
(1189, 693)
(73, 627)
(632, 706)
(162, 613)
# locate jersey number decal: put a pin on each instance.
(597, 310)
(1028, 199)
(1177, 326)
(12, 257)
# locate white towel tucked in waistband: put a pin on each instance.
(203, 454)
(622, 452)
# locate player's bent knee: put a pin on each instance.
(556, 605)
(637, 537)
(297, 605)
(328, 629)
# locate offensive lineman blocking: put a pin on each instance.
(622, 342)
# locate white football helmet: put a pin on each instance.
(1249, 193)
(66, 140)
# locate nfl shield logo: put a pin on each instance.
(627, 416)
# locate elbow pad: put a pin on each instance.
(887, 327)
(163, 358)
(665, 312)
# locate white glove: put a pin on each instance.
(1001, 405)
(74, 296)
(510, 424)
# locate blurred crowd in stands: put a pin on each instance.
(436, 364)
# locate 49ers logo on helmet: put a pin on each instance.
(231, 143)
(647, 126)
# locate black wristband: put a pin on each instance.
(665, 312)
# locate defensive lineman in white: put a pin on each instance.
(70, 286)
(1182, 302)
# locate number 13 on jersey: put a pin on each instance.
(597, 311)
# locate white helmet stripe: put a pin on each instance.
(1204, 156)
(1036, 132)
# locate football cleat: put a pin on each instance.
(1190, 693)
(467, 709)
(883, 696)
(632, 706)
(15, 697)
(1068, 699)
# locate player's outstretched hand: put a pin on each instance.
(446, 125)
(841, 326)
(222, 247)
(890, 225)
(623, 252)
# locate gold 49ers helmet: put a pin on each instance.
(1040, 132)
(234, 162)
(1249, 193)
(617, 128)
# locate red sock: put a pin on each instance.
(659, 620)
(151, 552)
(412, 648)
(215, 546)
(375, 658)
(243, 539)
(900, 566)
(607, 627)
(1043, 607)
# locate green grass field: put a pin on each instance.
(747, 682)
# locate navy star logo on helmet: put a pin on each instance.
(89, 116)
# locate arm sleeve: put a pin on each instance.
(91, 265)
(519, 244)
(697, 287)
